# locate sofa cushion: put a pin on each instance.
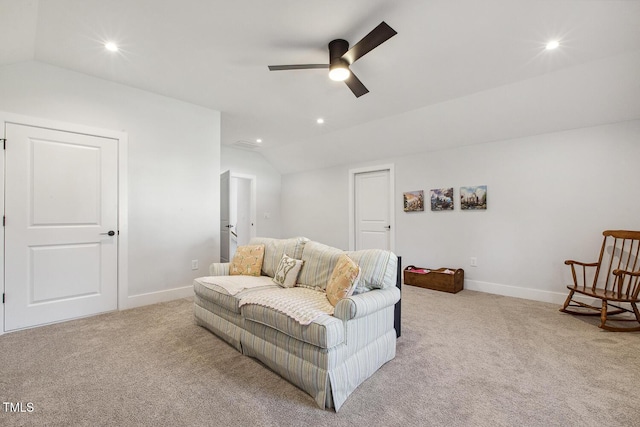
(288, 349)
(319, 262)
(377, 269)
(274, 249)
(208, 290)
(286, 274)
(323, 332)
(247, 261)
(343, 280)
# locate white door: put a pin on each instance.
(225, 216)
(61, 232)
(372, 210)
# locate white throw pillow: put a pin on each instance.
(286, 274)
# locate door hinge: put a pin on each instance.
(3, 298)
(4, 220)
(4, 143)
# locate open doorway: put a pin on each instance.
(240, 212)
(237, 212)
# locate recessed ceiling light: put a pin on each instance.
(111, 46)
(553, 44)
(320, 121)
(258, 140)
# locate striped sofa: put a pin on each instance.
(332, 355)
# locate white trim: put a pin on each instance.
(123, 221)
(159, 296)
(2, 135)
(392, 197)
(518, 292)
(123, 206)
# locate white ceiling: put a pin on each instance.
(215, 53)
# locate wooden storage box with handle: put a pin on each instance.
(441, 279)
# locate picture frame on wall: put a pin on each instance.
(441, 199)
(473, 198)
(413, 201)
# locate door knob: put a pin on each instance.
(110, 233)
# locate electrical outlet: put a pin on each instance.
(194, 264)
(473, 261)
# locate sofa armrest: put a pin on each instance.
(219, 269)
(363, 304)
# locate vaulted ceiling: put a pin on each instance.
(448, 55)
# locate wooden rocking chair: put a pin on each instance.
(616, 279)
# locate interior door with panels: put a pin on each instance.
(61, 239)
(372, 210)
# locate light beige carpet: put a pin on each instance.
(469, 359)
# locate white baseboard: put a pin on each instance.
(160, 296)
(517, 292)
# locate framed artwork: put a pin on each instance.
(473, 198)
(413, 201)
(442, 199)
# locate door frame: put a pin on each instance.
(352, 202)
(224, 231)
(123, 207)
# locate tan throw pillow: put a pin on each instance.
(343, 279)
(247, 261)
(286, 274)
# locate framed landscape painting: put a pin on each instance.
(442, 199)
(473, 198)
(413, 201)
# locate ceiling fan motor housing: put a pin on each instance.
(337, 48)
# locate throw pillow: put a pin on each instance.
(247, 261)
(286, 274)
(343, 279)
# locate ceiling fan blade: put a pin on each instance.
(297, 67)
(375, 38)
(356, 85)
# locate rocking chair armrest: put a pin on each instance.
(584, 264)
(621, 273)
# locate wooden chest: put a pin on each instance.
(435, 279)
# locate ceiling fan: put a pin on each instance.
(341, 57)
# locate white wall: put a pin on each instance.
(315, 205)
(173, 171)
(268, 183)
(549, 198)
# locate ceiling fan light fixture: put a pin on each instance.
(341, 58)
(339, 71)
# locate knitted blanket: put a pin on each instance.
(301, 304)
(235, 284)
